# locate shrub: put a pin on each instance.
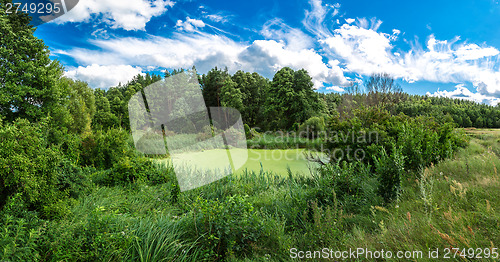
(390, 170)
(248, 134)
(28, 164)
(129, 170)
(351, 184)
(73, 180)
(422, 140)
(312, 127)
(21, 231)
(91, 235)
(225, 228)
(102, 149)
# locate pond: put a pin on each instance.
(277, 161)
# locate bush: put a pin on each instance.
(28, 164)
(21, 231)
(390, 171)
(129, 170)
(351, 184)
(102, 149)
(90, 235)
(312, 128)
(73, 180)
(225, 228)
(422, 140)
(248, 134)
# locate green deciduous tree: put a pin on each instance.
(231, 96)
(28, 78)
(211, 85)
(292, 99)
(253, 87)
(77, 110)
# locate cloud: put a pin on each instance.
(366, 51)
(100, 33)
(264, 56)
(373, 24)
(474, 52)
(461, 92)
(326, 49)
(189, 25)
(276, 29)
(314, 20)
(98, 76)
(125, 14)
(217, 18)
(350, 20)
(206, 51)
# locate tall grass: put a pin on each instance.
(159, 240)
(451, 204)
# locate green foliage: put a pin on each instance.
(231, 96)
(390, 171)
(462, 112)
(161, 240)
(73, 179)
(27, 75)
(352, 185)
(50, 209)
(104, 118)
(422, 140)
(28, 164)
(248, 133)
(90, 236)
(226, 228)
(312, 127)
(211, 85)
(102, 149)
(281, 140)
(291, 99)
(21, 231)
(253, 88)
(68, 144)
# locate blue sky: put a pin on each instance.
(441, 48)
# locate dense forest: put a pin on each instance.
(73, 187)
(288, 100)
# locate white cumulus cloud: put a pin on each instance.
(206, 51)
(125, 14)
(461, 92)
(366, 51)
(189, 25)
(99, 76)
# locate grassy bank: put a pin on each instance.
(454, 205)
(261, 216)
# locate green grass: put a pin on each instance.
(455, 203)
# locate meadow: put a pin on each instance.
(263, 215)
